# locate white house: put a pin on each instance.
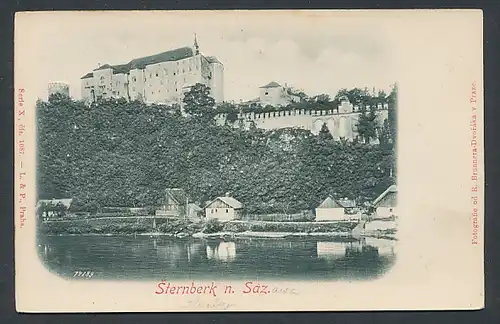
(331, 209)
(223, 208)
(385, 204)
(49, 206)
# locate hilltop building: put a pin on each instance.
(160, 78)
(274, 94)
(58, 87)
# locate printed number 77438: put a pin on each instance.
(86, 274)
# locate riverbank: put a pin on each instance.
(178, 228)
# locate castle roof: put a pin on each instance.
(142, 62)
(212, 59)
(88, 75)
(172, 55)
(272, 84)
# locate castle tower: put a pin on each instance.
(196, 47)
(58, 87)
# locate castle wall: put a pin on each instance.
(120, 85)
(103, 83)
(88, 85)
(136, 84)
(165, 80)
(340, 123)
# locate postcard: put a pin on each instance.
(200, 161)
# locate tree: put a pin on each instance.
(367, 124)
(324, 133)
(197, 102)
(392, 113)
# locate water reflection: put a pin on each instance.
(364, 247)
(152, 258)
(223, 251)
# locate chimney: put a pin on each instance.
(228, 194)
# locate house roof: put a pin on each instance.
(229, 201)
(178, 194)
(391, 189)
(339, 203)
(66, 202)
(272, 84)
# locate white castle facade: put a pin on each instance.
(160, 78)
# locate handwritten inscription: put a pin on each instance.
(218, 304)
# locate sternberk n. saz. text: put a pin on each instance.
(249, 287)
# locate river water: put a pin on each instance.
(155, 258)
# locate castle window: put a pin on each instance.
(174, 73)
(156, 74)
(134, 79)
(150, 75)
(227, 211)
(266, 93)
(183, 71)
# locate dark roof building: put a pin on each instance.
(337, 203)
(388, 198)
(272, 84)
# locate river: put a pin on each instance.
(148, 258)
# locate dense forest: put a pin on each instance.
(120, 153)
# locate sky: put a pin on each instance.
(319, 52)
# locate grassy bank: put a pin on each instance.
(137, 225)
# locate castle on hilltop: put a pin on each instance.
(160, 78)
(341, 122)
